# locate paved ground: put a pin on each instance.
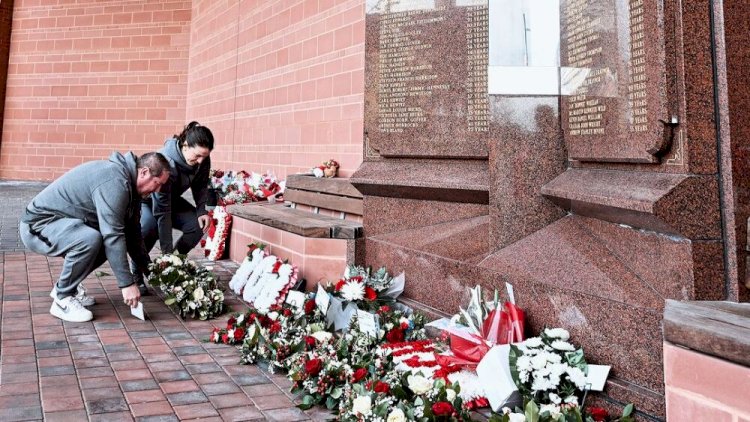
(117, 367)
(14, 196)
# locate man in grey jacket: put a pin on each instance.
(89, 215)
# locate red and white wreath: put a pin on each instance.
(218, 233)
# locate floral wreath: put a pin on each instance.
(218, 232)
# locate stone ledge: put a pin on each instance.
(303, 223)
(438, 180)
(674, 204)
(720, 329)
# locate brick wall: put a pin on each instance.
(704, 388)
(280, 83)
(87, 77)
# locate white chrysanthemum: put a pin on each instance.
(419, 384)
(577, 377)
(539, 361)
(523, 363)
(560, 333)
(397, 415)
(563, 346)
(533, 342)
(541, 384)
(352, 291)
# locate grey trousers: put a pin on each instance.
(80, 244)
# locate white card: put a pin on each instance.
(295, 298)
(495, 378)
(368, 323)
(322, 299)
(597, 376)
(138, 312)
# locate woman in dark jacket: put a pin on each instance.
(189, 158)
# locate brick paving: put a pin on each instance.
(117, 367)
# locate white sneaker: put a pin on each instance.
(80, 295)
(70, 309)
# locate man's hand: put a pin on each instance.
(203, 222)
(131, 295)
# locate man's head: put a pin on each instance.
(153, 172)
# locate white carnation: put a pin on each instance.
(577, 377)
(533, 342)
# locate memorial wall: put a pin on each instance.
(566, 150)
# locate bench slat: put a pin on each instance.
(334, 185)
(322, 200)
(303, 223)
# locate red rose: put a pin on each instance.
(239, 334)
(370, 294)
(340, 284)
(385, 308)
(287, 312)
(251, 317)
(310, 341)
(309, 306)
(396, 335)
(275, 327)
(442, 408)
(381, 387)
(359, 374)
(231, 321)
(225, 338)
(598, 413)
(313, 367)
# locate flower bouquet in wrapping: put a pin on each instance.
(189, 288)
(361, 289)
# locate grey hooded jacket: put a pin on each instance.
(103, 195)
(182, 176)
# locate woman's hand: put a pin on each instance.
(203, 222)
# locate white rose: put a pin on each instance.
(419, 384)
(198, 293)
(273, 315)
(397, 415)
(362, 405)
(322, 336)
(450, 394)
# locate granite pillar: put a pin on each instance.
(572, 152)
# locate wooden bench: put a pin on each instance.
(325, 212)
(336, 195)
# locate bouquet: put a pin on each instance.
(190, 289)
(214, 245)
(242, 187)
(549, 369)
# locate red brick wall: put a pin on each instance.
(87, 77)
(280, 83)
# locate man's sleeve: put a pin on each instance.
(134, 240)
(111, 200)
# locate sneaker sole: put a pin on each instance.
(57, 312)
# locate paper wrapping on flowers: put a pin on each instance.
(396, 287)
(339, 315)
(496, 380)
(220, 223)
